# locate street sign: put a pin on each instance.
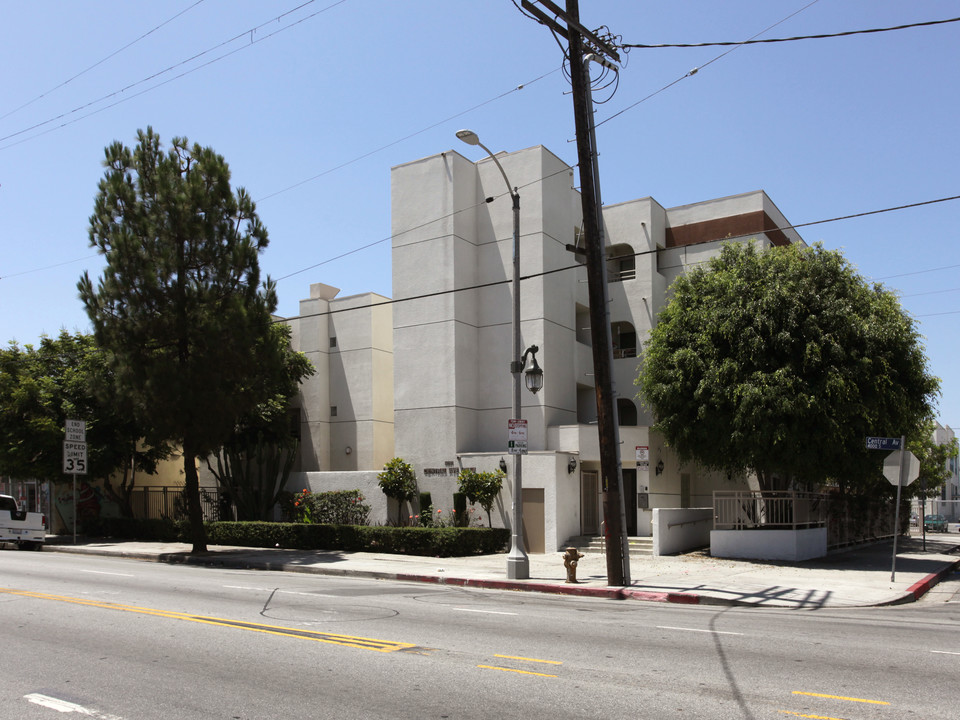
(911, 468)
(74, 458)
(75, 431)
(517, 437)
(883, 443)
(643, 457)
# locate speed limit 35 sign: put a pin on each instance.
(74, 458)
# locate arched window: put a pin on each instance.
(621, 263)
(627, 412)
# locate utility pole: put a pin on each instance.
(618, 558)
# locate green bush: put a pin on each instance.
(439, 542)
(339, 507)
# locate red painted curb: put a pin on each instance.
(921, 587)
(609, 593)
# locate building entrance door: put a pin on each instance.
(533, 524)
(630, 500)
(589, 504)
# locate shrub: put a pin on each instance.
(398, 481)
(481, 488)
(440, 542)
(339, 507)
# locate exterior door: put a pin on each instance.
(533, 524)
(630, 500)
(589, 504)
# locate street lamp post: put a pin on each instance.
(518, 564)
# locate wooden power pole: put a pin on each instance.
(615, 531)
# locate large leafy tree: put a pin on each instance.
(180, 304)
(68, 377)
(781, 362)
(254, 463)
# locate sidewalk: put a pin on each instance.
(854, 578)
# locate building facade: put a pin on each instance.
(451, 345)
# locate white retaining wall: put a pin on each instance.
(676, 530)
(769, 544)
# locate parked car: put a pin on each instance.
(934, 523)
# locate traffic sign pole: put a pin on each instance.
(896, 521)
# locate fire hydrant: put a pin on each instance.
(570, 559)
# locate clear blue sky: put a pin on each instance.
(311, 110)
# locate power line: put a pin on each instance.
(99, 62)
(695, 70)
(575, 265)
(406, 137)
(155, 75)
(791, 39)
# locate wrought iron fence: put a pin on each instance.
(170, 502)
(743, 510)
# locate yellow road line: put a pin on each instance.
(812, 717)
(517, 657)
(521, 672)
(332, 638)
(841, 697)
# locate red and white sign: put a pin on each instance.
(517, 437)
(643, 457)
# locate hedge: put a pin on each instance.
(438, 542)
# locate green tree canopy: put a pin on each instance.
(180, 304)
(68, 377)
(397, 480)
(781, 362)
(253, 465)
(481, 487)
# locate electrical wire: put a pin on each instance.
(407, 137)
(169, 69)
(99, 62)
(577, 265)
(695, 70)
(792, 39)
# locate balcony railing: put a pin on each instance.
(743, 510)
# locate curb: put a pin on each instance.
(921, 587)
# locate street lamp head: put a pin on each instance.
(532, 375)
(469, 137)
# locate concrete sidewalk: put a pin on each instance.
(853, 578)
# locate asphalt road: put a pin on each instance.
(126, 640)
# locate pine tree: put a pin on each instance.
(180, 304)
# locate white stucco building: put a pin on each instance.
(452, 341)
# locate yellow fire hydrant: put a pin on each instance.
(570, 559)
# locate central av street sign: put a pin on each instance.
(883, 443)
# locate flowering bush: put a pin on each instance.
(338, 507)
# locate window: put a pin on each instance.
(626, 412)
(333, 341)
(624, 340)
(333, 411)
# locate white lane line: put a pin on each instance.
(65, 706)
(284, 592)
(488, 612)
(101, 572)
(712, 632)
(944, 652)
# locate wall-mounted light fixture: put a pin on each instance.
(348, 450)
(659, 468)
(571, 464)
(503, 465)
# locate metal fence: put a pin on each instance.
(849, 520)
(170, 502)
(743, 510)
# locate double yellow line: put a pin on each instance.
(362, 643)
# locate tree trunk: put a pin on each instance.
(198, 533)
